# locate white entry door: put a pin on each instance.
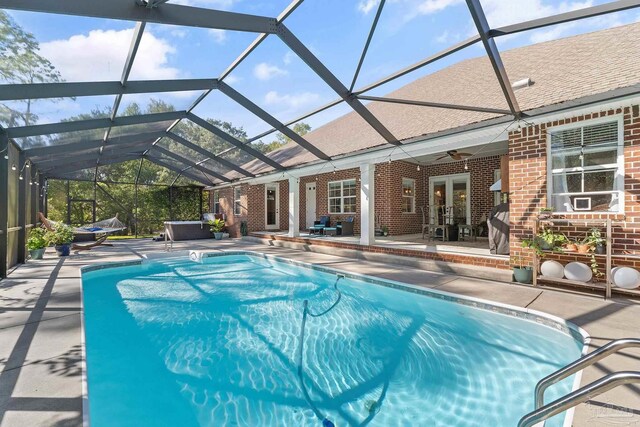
(451, 191)
(311, 204)
(272, 204)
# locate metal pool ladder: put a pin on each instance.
(543, 412)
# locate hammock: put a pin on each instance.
(106, 226)
(110, 225)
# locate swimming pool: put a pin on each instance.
(217, 341)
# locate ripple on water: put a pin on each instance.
(227, 333)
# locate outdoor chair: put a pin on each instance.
(319, 225)
(345, 227)
(431, 222)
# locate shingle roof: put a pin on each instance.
(562, 70)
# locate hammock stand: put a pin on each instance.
(105, 228)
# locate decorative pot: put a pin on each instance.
(544, 245)
(544, 216)
(571, 247)
(583, 248)
(64, 249)
(218, 236)
(601, 248)
(523, 274)
(225, 235)
(37, 253)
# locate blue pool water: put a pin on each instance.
(215, 343)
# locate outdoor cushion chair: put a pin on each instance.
(345, 227)
(319, 225)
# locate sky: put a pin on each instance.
(87, 49)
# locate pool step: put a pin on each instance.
(464, 265)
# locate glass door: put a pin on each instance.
(271, 207)
(452, 193)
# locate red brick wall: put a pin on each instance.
(388, 197)
(481, 177)
(528, 186)
(226, 208)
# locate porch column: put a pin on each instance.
(367, 207)
(294, 207)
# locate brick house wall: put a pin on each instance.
(388, 197)
(528, 188)
(226, 208)
(481, 177)
(322, 196)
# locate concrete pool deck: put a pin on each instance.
(40, 337)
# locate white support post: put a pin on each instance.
(294, 207)
(367, 204)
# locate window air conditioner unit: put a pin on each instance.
(582, 204)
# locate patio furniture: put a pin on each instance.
(319, 225)
(330, 231)
(89, 232)
(430, 222)
(186, 230)
(345, 228)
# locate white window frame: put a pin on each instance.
(237, 201)
(342, 196)
(216, 202)
(412, 197)
(619, 164)
(497, 195)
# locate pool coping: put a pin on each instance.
(523, 313)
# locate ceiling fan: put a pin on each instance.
(454, 155)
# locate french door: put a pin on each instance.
(272, 202)
(451, 191)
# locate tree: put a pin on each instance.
(301, 128)
(21, 63)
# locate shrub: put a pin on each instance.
(37, 238)
(62, 235)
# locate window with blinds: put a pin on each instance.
(586, 168)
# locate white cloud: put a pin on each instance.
(219, 36)
(101, 54)
(447, 38)
(288, 57)
(291, 101)
(506, 12)
(428, 7)
(265, 71)
(178, 33)
(366, 6)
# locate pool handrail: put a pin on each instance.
(580, 364)
(579, 396)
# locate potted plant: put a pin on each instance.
(521, 273)
(61, 238)
(584, 246)
(37, 243)
(216, 226)
(571, 245)
(545, 213)
(546, 240)
(385, 230)
(595, 239)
